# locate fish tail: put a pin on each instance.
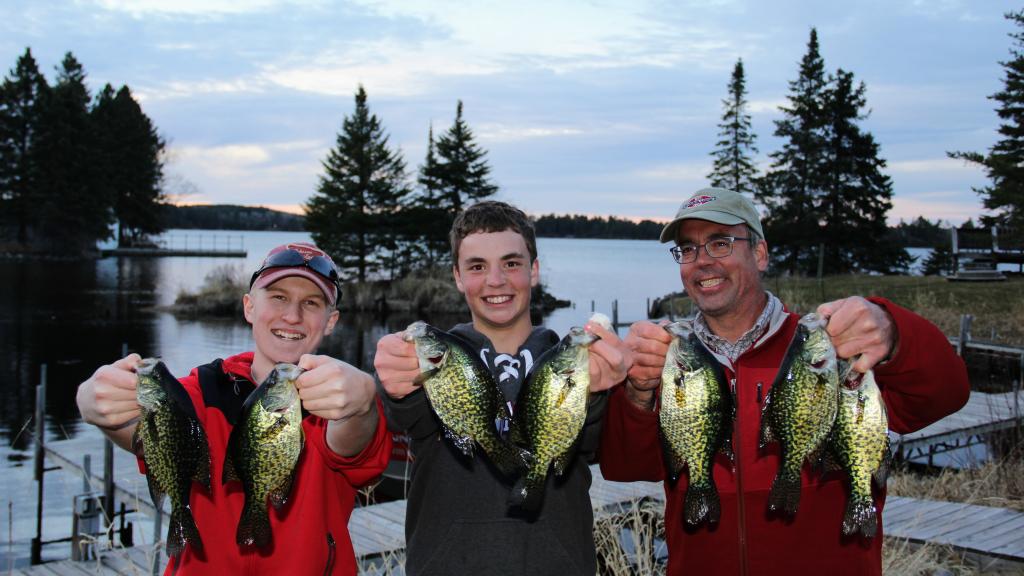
(181, 530)
(861, 516)
(785, 493)
(702, 503)
(511, 459)
(527, 493)
(253, 526)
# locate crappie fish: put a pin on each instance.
(263, 451)
(465, 397)
(800, 408)
(695, 420)
(859, 444)
(172, 443)
(550, 413)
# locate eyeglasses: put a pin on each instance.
(718, 247)
(290, 258)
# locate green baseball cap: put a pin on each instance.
(715, 205)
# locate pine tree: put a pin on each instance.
(462, 170)
(129, 160)
(733, 167)
(352, 214)
(1004, 163)
(21, 97)
(857, 195)
(75, 210)
(795, 180)
(432, 220)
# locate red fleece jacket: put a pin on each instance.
(923, 382)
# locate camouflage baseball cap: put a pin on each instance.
(715, 205)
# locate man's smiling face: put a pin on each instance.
(495, 274)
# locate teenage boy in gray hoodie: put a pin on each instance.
(457, 518)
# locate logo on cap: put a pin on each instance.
(700, 200)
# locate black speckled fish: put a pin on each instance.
(695, 420)
(800, 408)
(465, 397)
(173, 446)
(263, 451)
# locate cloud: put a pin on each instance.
(181, 89)
(138, 8)
(933, 166)
(935, 205)
(502, 133)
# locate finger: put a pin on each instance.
(827, 309)
(129, 362)
(312, 361)
(600, 331)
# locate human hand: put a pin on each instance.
(861, 328)
(610, 358)
(332, 389)
(649, 344)
(397, 365)
(108, 398)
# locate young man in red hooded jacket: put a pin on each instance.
(722, 252)
(291, 306)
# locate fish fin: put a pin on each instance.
(785, 493)
(279, 496)
(230, 472)
(673, 464)
(424, 376)
(881, 475)
(767, 435)
(181, 530)
(155, 493)
(702, 503)
(561, 462)
(829, 461)
(528, 493)
(463, 443)
(253, 526)
(510, 459)
(729, 453)
(861, 516)
(201, 473)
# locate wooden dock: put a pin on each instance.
(981, 530)
(983, 413)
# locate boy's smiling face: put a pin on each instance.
(495, 274)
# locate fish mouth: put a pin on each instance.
(501, 299)
(289, 335)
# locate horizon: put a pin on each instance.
(606, 110)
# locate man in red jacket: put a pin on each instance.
(722, 253)
(291, 306)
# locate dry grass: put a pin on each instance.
(641, 525)
(998, 483)
(220, 294)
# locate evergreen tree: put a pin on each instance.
(431, 218)
(939, 261)
(21, 97)
(462, 171)
(129, 160)
(733, 167)
(1004, 163)
(352, 214)
(75, 210)
(795, 180)
(857, 195)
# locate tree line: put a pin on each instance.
(825, 193)
(72, 165)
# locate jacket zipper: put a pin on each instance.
(740, 497)
(330, 554)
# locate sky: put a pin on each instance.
(599, 107)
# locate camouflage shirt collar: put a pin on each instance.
(733, 350)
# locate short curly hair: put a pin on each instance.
(492, 216)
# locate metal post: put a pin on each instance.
(821, 270)
(615, 315)
(37, 542)
(965, 334)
